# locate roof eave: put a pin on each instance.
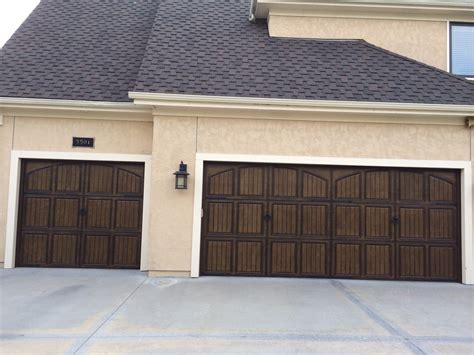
(269, 104)
(260, 9)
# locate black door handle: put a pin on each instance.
(267, 217)
(395, 220)
(82, 211)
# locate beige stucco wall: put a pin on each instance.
(55, 134)
(425, 41)
(177, 138)
(6, 137)
(172, 139)
(169, 246)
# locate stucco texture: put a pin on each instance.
(179, 138)
(55, 134)
(333, 139)
(6, 137)
(425, 41)
(171, 210)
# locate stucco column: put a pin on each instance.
(174, 139)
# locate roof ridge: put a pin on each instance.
(380, 49)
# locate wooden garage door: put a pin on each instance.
(80, 214)
(317, 221)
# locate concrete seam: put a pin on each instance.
(375, 317)
(110, 316)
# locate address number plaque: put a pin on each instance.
(84, 142)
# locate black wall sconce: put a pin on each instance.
(182, 177)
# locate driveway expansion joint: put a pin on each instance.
(393, 330)
(110, 316)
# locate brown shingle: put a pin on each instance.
(102, 49)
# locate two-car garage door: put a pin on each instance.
(319, 221)
(80, 214)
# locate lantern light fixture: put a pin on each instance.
(181, 177)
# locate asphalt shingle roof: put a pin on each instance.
(77, 50)
(100, 50)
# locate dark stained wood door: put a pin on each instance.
(319, 221)
(80, 214)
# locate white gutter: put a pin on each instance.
(77, 105)
(464, 11)
(249, 103)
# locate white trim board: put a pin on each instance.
(294, 105)
(465, 167)
(14, 189)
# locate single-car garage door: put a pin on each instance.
(80, 214)
(320, 221)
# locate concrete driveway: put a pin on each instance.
(99, 311)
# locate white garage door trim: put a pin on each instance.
(14, 190)
(467, 246)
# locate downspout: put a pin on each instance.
(253, 7)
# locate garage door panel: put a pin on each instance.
(379, 259)
(74, 208)
(251, 181)
(249, 257)
(282, 258)
(96, 250)
(412, 223)
(126, 251)
(378, 185)
(100, 179)
(378, 222)
(320, 221)
(64, 249)
(411, 186)
(442, 187)
(128, 214)
(37, 212)
(442, 262)
(316, 184)
(39, 177)
(348, 221)
(129, 183)
(220, 217)
(220, 181)
(284, 220)
(219, 256)
(250, 218)
(99, 213)
(412, 261)
(347, 184)
(284, 182)
(68, 178)
(66, 212)
(315, 221)
(347, 260)
(315, 259)
(33, 249)
(442, 224)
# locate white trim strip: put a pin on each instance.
(466, 193)
(203, 101)
(14, 188)
(433, 10)
(12, 102)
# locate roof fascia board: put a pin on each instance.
(364, 10)
(28, 107)
(10, 102)
(275, 105)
